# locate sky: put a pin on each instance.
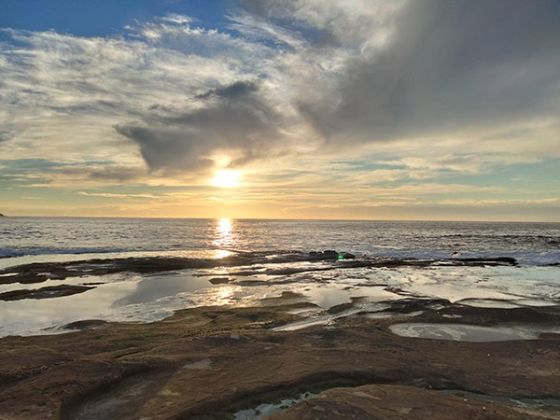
(296, 109)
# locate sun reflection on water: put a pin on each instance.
(218, 296)
(224, 235)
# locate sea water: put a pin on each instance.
(531, 243)
(124, 296)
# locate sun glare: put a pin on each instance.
(226, 178)
(224, 235)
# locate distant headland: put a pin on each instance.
(1, 215)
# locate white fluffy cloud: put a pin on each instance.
(418, 89)
(359, 72)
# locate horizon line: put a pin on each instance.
(5, 216)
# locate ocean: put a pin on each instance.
(530, 243)
(56, 271)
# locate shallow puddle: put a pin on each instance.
(153, 287)
(201, 364)
(266, 410)
(489, 303)
(470, 333)
(389, 314)
(322, 318)
(151, 297)
(115, 297)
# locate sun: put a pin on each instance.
(226, 178)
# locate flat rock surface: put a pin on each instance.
(209, 362)
(44, 292)
(40, 272)
(397, 402)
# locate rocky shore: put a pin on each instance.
(271, 264)
(44, 292)
(220, 362)
(379, 349)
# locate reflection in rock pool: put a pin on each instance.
(471, 333)
(355, 287)
(267, 409)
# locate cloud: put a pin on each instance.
(50, 173)
(64, 93)
(351, 23)
(552, 202)
(290, 76)
(233, 91)
(372, 72)
(118, 196)
(235, 119)
(417, 96)
(258, 29)
(447, 67)
(5, 136)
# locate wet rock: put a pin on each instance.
(346, 256)
(326, 254)
(340, 308)
(392, 401)
(39, 272)
(550, 336)
(323, 255)
(488, 316)
(136, 370)
(487, 261)
(405, 306)
(220, 280)
(85, 324)
(287, 297)
(330, 254)
(44, 292)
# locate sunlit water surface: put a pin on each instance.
(141, 298)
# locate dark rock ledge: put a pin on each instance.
(327, 260)
(44, 292)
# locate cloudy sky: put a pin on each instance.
(354, 109)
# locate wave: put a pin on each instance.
(37, 251)
(527, 258)
(538, 258)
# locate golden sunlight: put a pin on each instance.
(226, 178)
(223, 233)
(224, 227)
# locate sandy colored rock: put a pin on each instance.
(371, 402)
(210, 362)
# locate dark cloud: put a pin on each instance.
(116, 173)
(235, 118)
(92, 107)
(105, 171)
(234, 90)
(451, 65)
(21, 165)
(5, 136)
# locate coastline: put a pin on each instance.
(40, 298)
(433, 323)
